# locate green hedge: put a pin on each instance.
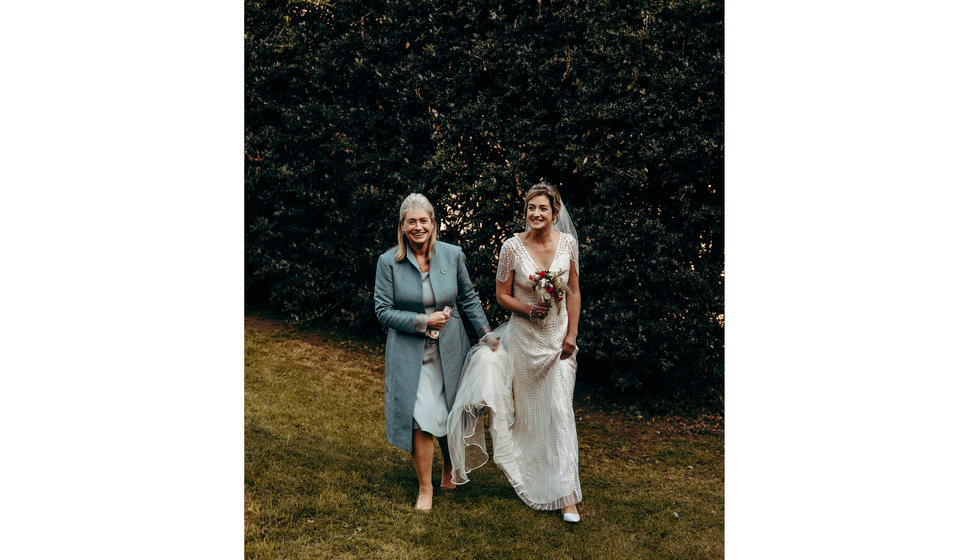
(352, 105)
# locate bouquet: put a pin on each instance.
(549, 286)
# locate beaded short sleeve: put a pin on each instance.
(506, 262)
(572, 249)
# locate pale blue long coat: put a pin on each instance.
(398, 305)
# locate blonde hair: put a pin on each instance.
(411, 202)
(549, 191)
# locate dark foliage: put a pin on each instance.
(350, 106)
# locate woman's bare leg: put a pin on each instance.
(422, 450)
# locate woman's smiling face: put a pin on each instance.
(539, 214)
(417, 227)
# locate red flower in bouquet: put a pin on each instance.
(550, 286)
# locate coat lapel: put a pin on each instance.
(411, 258)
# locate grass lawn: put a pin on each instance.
(321, 481)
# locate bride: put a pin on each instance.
(526, 383)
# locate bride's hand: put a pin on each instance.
(538, 310)
(567, 346)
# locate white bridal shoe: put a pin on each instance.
(570, 517)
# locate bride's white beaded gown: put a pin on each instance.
(527, 390)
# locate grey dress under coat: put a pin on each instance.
(398, 305)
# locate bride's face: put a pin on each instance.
(539, 215)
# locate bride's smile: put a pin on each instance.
(539, 215)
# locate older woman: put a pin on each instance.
(420, 289)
